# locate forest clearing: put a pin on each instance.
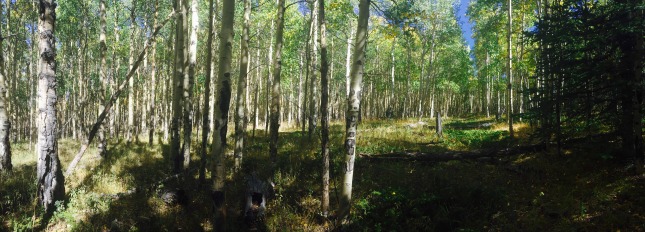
(322, 115)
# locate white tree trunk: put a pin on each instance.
(353, 108)
(275, 92)
(5, 125)
(223, 102)
(189, 83)
(131, 83)
(240, 103)
(51, 182)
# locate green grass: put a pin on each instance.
(581, 190)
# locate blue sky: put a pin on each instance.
(466, 26)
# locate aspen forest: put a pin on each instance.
(322, 115)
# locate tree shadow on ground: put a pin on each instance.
(140, 174)
(17, 197)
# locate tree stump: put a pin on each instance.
(256, 195)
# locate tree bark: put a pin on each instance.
(313, 111)
(240, 104)
(189, 80)
(153, 75)
(102, 146)
(51, 182)
(223, 102)
(267, 109)
(207, 93)
(275, 92)
(348, 59)
(177, 101)
(324, 107)
(5, 124)
(353, 108)
(304, 114)
(133, 28)
(116, 62)
(509, 71)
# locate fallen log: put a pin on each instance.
(453, 155)
(476, 154)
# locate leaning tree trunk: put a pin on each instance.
(177, 93)
(353, 108)
(189, 82)
(240, 103)
(5, 125)
(51, 182)
(223, 102)
(324, 107)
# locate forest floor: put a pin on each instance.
(584, 189)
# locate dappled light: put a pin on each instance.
(322, 115)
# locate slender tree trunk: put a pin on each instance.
(488, 85)
(207, 93)
(189, 81)
(301, 94)
(353, 108)
(116, 62)
(102, 146)
(153, 76)
(240, 104)
(404, 109)
(268, 87)
(509, 71)
(51, 182)
(390, 108)
(313, 111)
(348, 59)
(133, 28)
(324, 107)
(256, 94)
(304, 115)
(5, 125)
(275, 92)
(177, 101)
(223, 102)
(8, 94)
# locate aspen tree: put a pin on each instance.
(220, 119)
(275, 91)
(324, 106)
(51, 182)
(240, 103)
(353, 108)
(5, 125)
